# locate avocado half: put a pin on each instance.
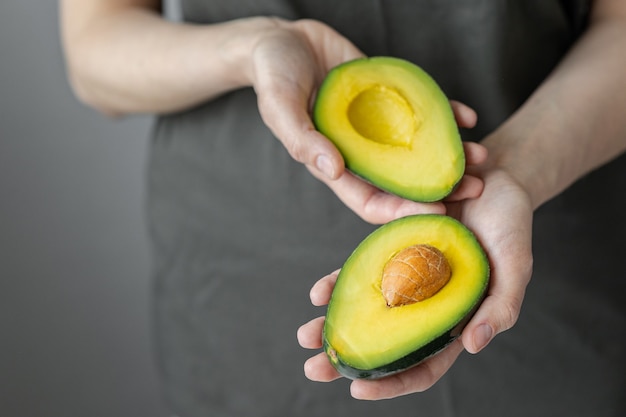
(393, 125)
(364, 337)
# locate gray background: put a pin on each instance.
(74, 264)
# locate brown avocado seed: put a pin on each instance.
(414, 274)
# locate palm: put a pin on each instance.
(501, 219)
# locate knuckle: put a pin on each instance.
(267, 104)
(511, 313)
(297, 151)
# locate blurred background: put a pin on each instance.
(74, 266)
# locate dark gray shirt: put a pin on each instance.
(240, 232)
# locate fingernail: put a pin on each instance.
(323, 163)
(482, 336)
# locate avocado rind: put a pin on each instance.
(426, 171)
(406, 354)
(406, 362)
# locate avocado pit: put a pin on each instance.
(414, 274)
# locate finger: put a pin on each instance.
(417, 379)
(475, 153)
(284, 111)
(469, 187)
(310, 334)
(496, 315)
(465, 116)
(372, 204)
(288, 73)
(501, 308)
(322, 289)
(318, 368)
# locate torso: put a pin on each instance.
(240, 231)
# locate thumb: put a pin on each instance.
(501, 308)
(285, 113)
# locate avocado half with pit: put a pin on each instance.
(393, 125)
(404, 294)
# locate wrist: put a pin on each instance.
(238, 46)
(523, 164)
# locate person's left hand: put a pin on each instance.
(501, 218)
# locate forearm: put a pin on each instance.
(574, 122)
(131, 60)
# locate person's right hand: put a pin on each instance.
(288, 62)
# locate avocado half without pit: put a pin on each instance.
(393, 125)
(404, 294)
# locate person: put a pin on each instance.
(240, 222)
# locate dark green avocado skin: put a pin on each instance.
(412, 359)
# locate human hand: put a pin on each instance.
(289, 62)
(501, 218)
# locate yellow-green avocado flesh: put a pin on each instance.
(364, 338)
(393, 125)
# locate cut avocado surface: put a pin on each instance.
(393, 125)
(366, 338)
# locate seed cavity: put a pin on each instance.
(382, 114)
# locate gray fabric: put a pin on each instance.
(240, 232)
